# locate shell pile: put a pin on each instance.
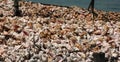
(49, 33)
